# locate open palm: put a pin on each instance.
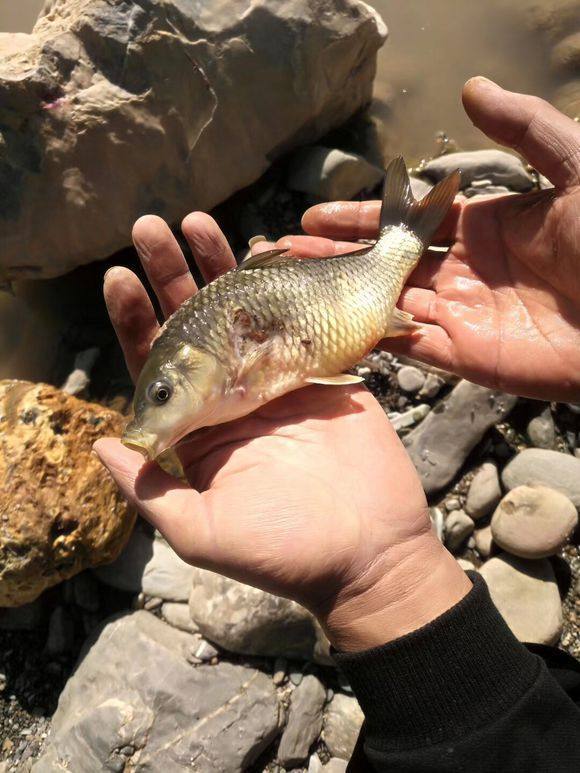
(502, 307)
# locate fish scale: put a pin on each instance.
(275, 323)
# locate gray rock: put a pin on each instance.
(483, 541)
(438, 521)
(304, 722)
(133, 688)
(410, 379)
(296, 676)
(79, 378)
(486, 190)
(414, 415)
(458, 528)
(484, 491)
(279, 675)
(314, 764)
(496, 167)
(526, 594)
(208, 93)
(432, 386)
(177, 615)
(550, 468)
(243, 619)
(452, 504)
(330, 174)
(148, 565)
(533, 521)
(467, 566)
(335, 765)
(342, 725)
(541, 430)
(441, 443)
(205, 651)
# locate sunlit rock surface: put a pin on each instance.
(59, 510)
(110, 110)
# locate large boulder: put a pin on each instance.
(111, 109)
(60, 511)
(135, 703)
(250, 621)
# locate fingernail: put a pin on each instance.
(483, 81)
(284, 244)
(109, 272)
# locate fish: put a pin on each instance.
(277, 323)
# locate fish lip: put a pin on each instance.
(142, 442)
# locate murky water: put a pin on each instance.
(433, 47)
(18, 15)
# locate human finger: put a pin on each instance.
(132, 316)
(316, 246)
(170, 505)
(164, 263)
(547, 138)
(432, 346)
(208, 244)
(353, 220)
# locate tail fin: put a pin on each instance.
(423, 217)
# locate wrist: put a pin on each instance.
(418, 585)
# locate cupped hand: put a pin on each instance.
(312, 497)
(502, 306)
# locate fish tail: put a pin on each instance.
(400, 208)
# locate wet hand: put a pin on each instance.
(502, 308)
(311, 497)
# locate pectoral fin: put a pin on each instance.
(340, 380)
(402, 324)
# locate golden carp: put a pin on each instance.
(277, 323)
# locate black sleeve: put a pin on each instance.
(462, 694)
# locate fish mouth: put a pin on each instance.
(143, 442)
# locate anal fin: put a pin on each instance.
(402, 324)
(340, 380)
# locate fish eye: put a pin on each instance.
(159, 392)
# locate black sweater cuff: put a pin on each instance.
(445, 679)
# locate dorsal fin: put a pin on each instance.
(278, 258)
(264, 260)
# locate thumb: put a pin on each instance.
(548, 139)
(170, 505)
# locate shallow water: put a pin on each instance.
(433, 47)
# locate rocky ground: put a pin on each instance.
(118, 664)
